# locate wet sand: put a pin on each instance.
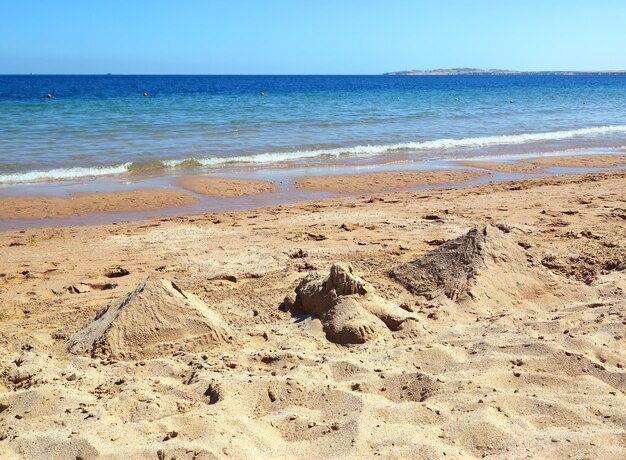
(537, 165)
(20, 207)
(504, 166)
(381, 181)
(221, 187)
(581, 161)
(168, 194)
(512, 347)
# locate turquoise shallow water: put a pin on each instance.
(97, 125)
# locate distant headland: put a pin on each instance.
(471, 71)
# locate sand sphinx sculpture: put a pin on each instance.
(484, 267)
(481, 271)
(157, 317)
(348, 306)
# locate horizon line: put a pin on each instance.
(487, 71)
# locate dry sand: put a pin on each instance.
(221, 187)
(381, 181)
(15, 207)
(487, 321)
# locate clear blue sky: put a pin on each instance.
(308, 36)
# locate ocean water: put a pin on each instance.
(98, 125)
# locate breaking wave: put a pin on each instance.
(277, 157)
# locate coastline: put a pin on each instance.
(108, 200)
(499, 146)
(496, 72)
(541, 372)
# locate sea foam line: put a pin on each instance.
(276, 157)
(64, 173)
(438, 144)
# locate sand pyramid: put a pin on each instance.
(484, 264)
(156, 318)
(350, 310)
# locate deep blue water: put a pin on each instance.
(101, 124)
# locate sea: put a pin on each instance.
(77, 127)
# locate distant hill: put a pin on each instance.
(470, 71)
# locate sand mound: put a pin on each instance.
(347, 305)
(155, 318)
(483, 264)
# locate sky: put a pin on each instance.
(308, 36)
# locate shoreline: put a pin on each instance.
(193, 193)
(549, 143)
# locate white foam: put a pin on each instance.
(511, 139)
(535, 154)
(63, 173)
(361, 150)
(438, 144)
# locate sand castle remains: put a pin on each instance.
(483, 266)
(348, 306)
(155, 318)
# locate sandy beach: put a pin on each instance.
(313, 230)
(476, 322)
